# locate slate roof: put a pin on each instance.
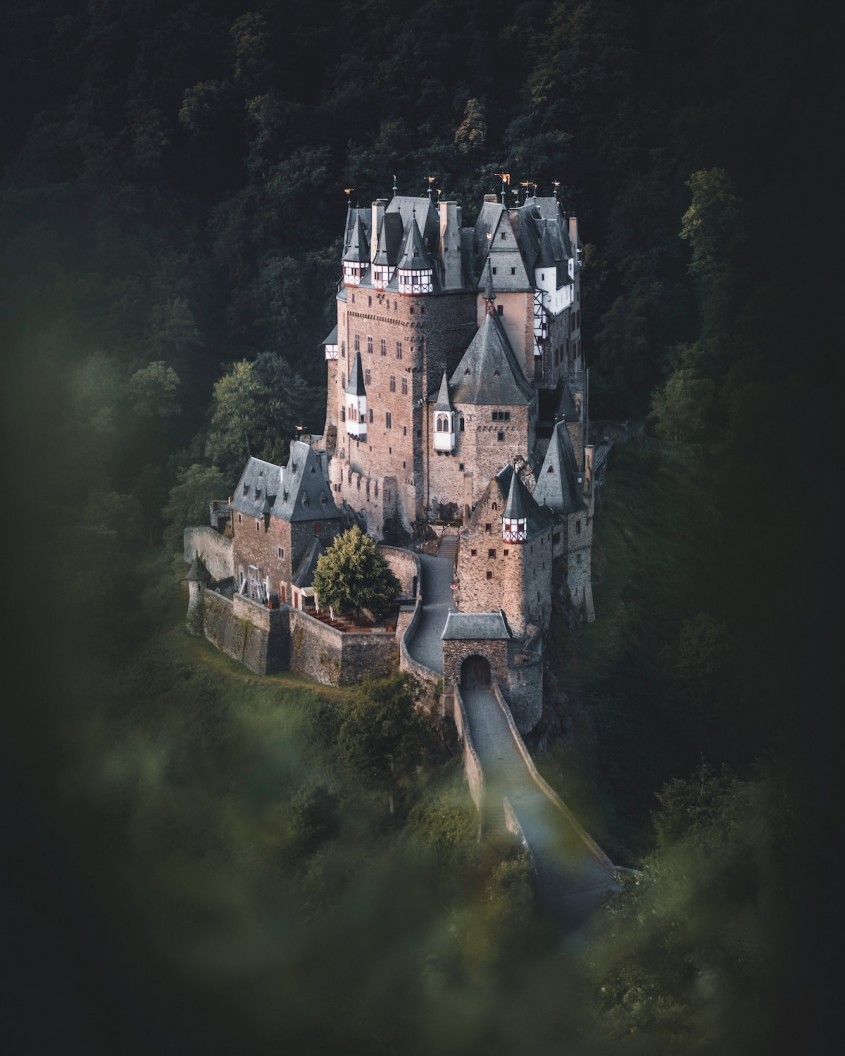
(443, 401)
(389, 240)
(331, 337)
(357, 248)
(198, 573)
(415, 257)
(297, 492)
(557, 485)
(303, 576)
(421, 209)
(355, 385)
(538, 518)
(472, 626)
(488, 372)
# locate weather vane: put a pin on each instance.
(505, 177)
(430, 180)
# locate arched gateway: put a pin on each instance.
(475, 672)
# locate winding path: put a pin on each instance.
(571, 876)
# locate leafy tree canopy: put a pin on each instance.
(353, 575)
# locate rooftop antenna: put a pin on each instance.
(505, 177)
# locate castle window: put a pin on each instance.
(367, 376)
(578, 527)
(578, 558)
(356, 342)
(500, 308)
(460, 467)
(371, 414)
(489, 575)
(473, 553)
(488, 527)
(240, 519)
(382, 346)
(369, 302)
(501, 416)
(343, 349)
(343, 414)
(504, 236)
(404, 430)
(506, 552)
(398, 349)
(258, 526)
(369, 344)
(392, 383)
(495, 505)
(513, 271)
(388, 420)
(500, 436)
(495, 271)
(412, 309)
(551, 469)
(461, 419)
(556, 537)
(404, 386)
(491, 553)
(281, 551)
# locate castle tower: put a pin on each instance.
(198, 578)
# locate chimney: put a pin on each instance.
(450, 244)
(491, 198)
(378, 214)
(573, 235)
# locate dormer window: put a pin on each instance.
(514, 529)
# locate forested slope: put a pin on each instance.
(171, 206)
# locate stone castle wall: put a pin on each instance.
(338, 658)
(214, 549)
(433, 332)
(405, 565)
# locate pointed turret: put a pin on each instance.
(444, 419)
(515, 517)
(416, 268)
(356, 256)
(356, 401)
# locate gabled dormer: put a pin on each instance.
(356, 256)
(356, 402)
(444, 419)
(415, 271)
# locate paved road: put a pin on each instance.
(436, 575)
(571, 878)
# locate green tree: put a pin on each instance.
(471, 133)
(152, 391)
(680, 407)
(353, 575)
(189, 499)
(383, 736)
(254, 412)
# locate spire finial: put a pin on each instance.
(430, 181)
(395, 187)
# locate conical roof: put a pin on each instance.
(415, 257)
(557, 484)
(358, 248)
(443, 401)
(198, 573)
(516, 508)
(355, 385)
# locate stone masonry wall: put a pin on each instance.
(337, 658)
(405, 566)
(433, 332)
(214, 549)
(455, 652)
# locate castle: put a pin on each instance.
(457, 396)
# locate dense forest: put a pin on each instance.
(198, 860)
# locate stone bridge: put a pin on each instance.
(571, 871)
